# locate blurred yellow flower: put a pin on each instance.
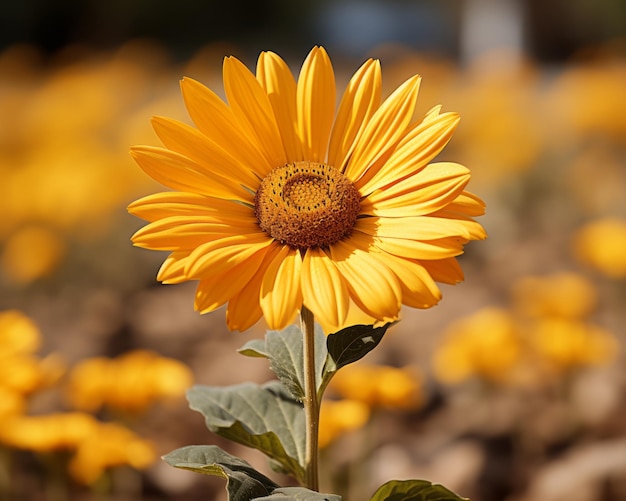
(486, 344)
(111, 445)
(379, 386)
(18, 334)
(566, 294)
(26, 374)
(561, 344)
(129, 383)
(63, 152)
(20, 371)
(500, 103)
(12, 404)
(280, 202)
(341, 416)
(601, 244)
(50, 432)
(31, 253)
(544, 334)
(590, 99)
(96, 446)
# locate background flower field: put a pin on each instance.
(513, 388)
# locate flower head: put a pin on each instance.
(280, 202)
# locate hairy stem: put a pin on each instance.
(311, 403)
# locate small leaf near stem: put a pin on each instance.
(311, 402)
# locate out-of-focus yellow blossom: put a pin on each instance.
(112, 445)
(561, 344)
(500, 102)
(129, 383)
(31, 253)
(97, 446)
(64, 147)
(601, 244)
(50, 432)
(545, 333)
(486, 344)
(26, 374)
(11, 404)
(566, 294)
(341, 416)
(20, 371)
(590, 99)
(18, 334)
(379, 386)
(88, 382)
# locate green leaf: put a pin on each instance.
(414, 490)
(353, 343)
(243, 482)
(284, 350)
(264, 417)
(254, 348)
(298, 494)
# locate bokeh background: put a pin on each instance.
(512, 389)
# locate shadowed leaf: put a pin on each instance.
(264, 417)
(243, 482)
(298, 494)
(414, 490)
(284, 351)
(254, 348)
(353, 343)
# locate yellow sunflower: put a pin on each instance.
(282, 200)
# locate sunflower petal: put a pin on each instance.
(422, 250)
(243, 309)
(431, 189)
(251, 106)
(190, 142)
(472, 229)
(373, 286)
(445, 271)
(419, 290)
(223, 254)
(188, 232)
(316, 104)
(324, 290)
(172, 270)
(468, 204)
(359, 102)
(386, 127)
(178, 203)
(421, 227)
(277, 80)
(413, 152)
(216, 289)
(281, 294)
(217, 121)
(178, 172)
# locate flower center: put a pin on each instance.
(307, 204)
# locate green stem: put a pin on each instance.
(311, 403)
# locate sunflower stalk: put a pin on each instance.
(311, 403)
